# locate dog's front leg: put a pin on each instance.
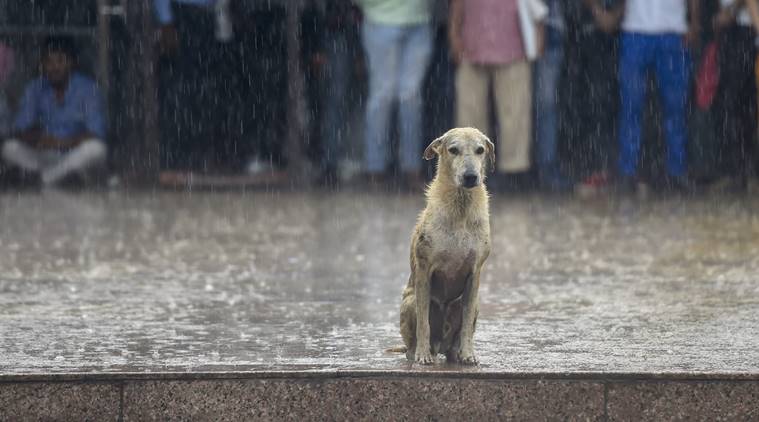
(423, 354)
(465, 354)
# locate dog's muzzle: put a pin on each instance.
(470, 180)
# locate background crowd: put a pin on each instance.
(583, 95)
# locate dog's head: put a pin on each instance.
(465, 154)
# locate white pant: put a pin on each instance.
(54, 165)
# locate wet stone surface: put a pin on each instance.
(164, 282)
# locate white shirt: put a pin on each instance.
(743, 17)
(530, 12)
(655, 16)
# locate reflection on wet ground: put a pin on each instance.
(277, 281)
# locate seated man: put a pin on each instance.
(60, 125)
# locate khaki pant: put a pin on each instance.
(513, 98)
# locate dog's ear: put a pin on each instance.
(433, 149)
(491, 152)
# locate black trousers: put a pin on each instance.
(736, 101)
(200, 95)
(590, 101)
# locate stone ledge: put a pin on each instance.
(63, 401)
(312, 396)
(422, 373)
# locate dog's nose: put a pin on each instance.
(470, 180)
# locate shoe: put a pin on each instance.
(729, 184)
(681, 184)
(592, 185)
(631, 185)
(348, 169)
(256, 166)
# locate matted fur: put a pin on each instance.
(449, 245)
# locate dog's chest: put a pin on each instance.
(456, 256)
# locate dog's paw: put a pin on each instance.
(469, 360)
(424, 358)
(466, 358)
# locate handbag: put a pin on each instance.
(707, 78)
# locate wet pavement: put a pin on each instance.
(267, 281)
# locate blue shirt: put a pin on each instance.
(163, 8)
(81, 110)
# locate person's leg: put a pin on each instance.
(197, 96)
(745, 102)
(576, 105)
(472, 83)
(548, 72)
(416, 49)
(21, 155)
(750, 123)
(604, 100)
(334, 97)
(737, 100)
(381, 43)
(88, 154)
(673, 76)
(756, 74)
(634, 57)
(513, 98)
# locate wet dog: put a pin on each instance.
(450, 243)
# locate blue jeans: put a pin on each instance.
(670, 60)
(397, 61)
(548, 72)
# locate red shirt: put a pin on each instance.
(491, 32)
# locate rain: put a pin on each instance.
(216, 190)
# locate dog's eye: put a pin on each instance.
(453, 150)
(479, 151)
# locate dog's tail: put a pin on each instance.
(397, 349)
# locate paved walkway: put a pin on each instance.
(210, 282)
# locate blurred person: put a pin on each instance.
(60, 127)
(736, 100)
(7, 66)
(548, 70)
(753, 9)
(262, 39)
(199, 86)
(591, 87)
(489, 45)
(397, 38)
(337, 62)
(439, 88)
(656, 34)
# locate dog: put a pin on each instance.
(449, 246)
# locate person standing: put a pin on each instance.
(656, 34)
(487, 42)
(592, 93)
(736, 101)
(337, 59)
(199, 87)
(397, 39)
(548, 71)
